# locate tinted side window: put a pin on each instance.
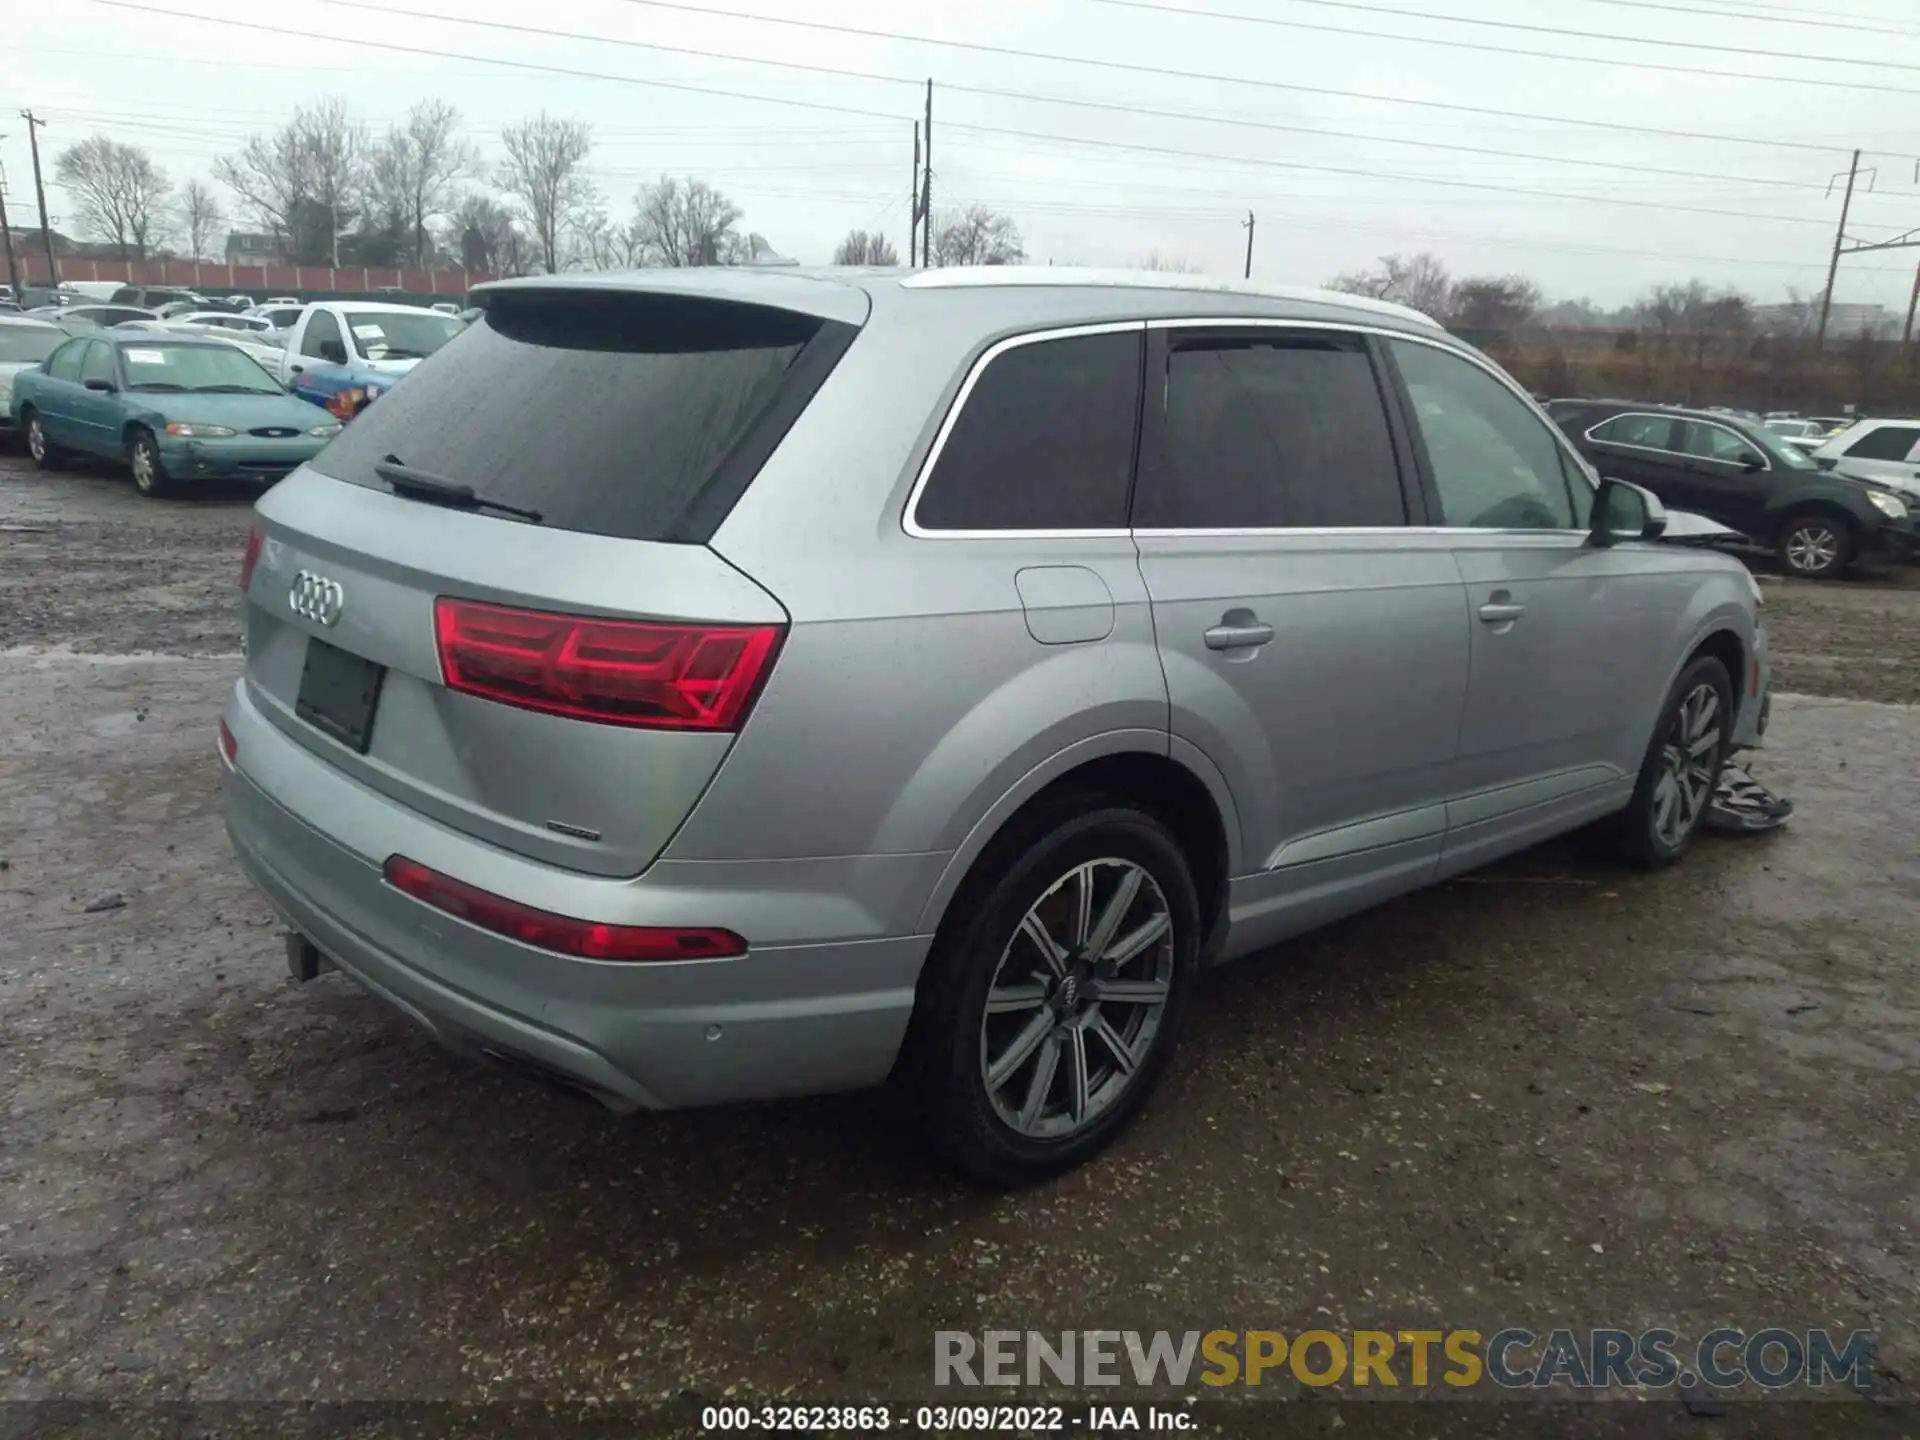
(98, 364)
(65, 362)
(1282, 433)
(1716, 442)
(1649, 432)
(125, 295)
(1044, 440)
(321, 328)
(1495, 463)
(1885, 442)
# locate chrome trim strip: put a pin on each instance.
(1767, 461)
(912, 527)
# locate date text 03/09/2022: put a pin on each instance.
(945, 1419)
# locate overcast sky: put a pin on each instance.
(810, 155)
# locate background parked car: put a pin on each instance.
(1887, 451)
(280, 314)
(1745, 477)
(24, 343)
(1803, 435)
(153, 297)
(176, 408)
(76, 318)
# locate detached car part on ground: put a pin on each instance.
(861, 676)
(175, 408)
(1816, 521)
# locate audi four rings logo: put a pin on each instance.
(316, 597)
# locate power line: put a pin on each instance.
(361, 43)
(1474, 45)
(1810, 19)
(1557, 30)
(1079, 103)
(1124, 67)
(1212, 79)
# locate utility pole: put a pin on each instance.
(913, 200)
(926, 187)
(34, 126)
(6, 231)
(1247, 225)
(1833, 266)
(1906, 335)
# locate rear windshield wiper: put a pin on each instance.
(419, 485)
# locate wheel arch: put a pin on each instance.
(1182, 790)
(1814, 505)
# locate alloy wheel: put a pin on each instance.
(1812, 547)
(1688, 764)
(1077, 999)
(36, 440)
(141, 464)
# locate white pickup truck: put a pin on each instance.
(342, 353)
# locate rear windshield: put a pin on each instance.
(28, 344)
(639, 416)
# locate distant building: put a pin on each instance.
(1843, 319)
(246, 247)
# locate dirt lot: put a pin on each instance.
(1551, 1094)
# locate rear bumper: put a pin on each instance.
(784, 1019)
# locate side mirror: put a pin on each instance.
(1626, 512)
(104, 387)
(1752, 463)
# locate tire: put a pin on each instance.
(150, 476)
(46, 455)
(1030, 1125)
(1655, 830)
(1815, 545)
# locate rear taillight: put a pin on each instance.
(615, 672)
(229, 747)
(250, 557)
(585, 938)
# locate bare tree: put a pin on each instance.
(416, 167)
(1170, 264)
(542, 172)
(202, 215)
(1492, 302)
(976, 235)
(861, 248)
(305, 181)
(598, 243)
(1420, 281)
(120, 193)
(486, 235)
(686, 222)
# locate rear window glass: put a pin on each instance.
(639, 416)
(24, 344)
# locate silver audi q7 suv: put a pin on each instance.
(723, 684)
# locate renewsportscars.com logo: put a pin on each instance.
(1511, 1359)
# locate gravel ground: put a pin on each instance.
(1550, 1094)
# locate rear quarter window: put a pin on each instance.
(633, 415)
(1043, 439)
(1885, 442)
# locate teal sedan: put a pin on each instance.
(175, 408)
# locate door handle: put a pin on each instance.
(1237, 633)
(1501, 610)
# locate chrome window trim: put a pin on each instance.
(909, 520)
(1629, 445)
(911, 525)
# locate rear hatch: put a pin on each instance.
(491, 598)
